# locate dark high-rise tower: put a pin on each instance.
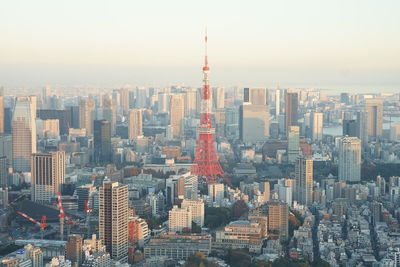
(206, 162)
(291, 109)
(102, 141)
(350, 128)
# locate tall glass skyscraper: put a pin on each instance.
(23, 133)
(102, 141)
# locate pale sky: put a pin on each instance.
(341, 44)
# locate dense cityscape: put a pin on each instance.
(113, 154)
(133, 177)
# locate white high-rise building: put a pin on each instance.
(317, 125)
(349, 159)
(141, 97)
(277, 102)
(218, 98)
(293, 150)
(253, 123)
(285, 193)
(197, 209)
(48, 171)
(266, 191)
(179, 219)
(177, 114)
(374, 110)
(163, 102)
(23, 133)
(190, 103)
(86, 111)
(135, 123)
(113, 219)
(124, 99)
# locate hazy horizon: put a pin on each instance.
(339, 45)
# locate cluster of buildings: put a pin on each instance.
(122, 162)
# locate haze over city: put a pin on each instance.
(341, 45)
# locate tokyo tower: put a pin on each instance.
(206, 163)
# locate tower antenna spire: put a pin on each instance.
(205, 48)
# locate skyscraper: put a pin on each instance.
(350, 128)
(293, 149)
(218, 98)
(110, 112)
(48, 171)
(254, 116)
(266, 191)
(135, 123)
(256, 96)
(374, 109)
(86, 110)
(349, 159)
(345, 98)
(141, 97)
(304, 180)
(291, 110)
(176, 114)
(3, 171)
(23, 133)
(113, 219)
(317, 125)
(73, 250)
(163, 102)
(102, 141)
(63, 116)
(124, 99)
(277, 102)
(253, 123)
(278, 218)
(190, 103)
(362, 127)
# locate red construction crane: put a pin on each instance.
(87, 210)
(69, 224)
(61, 216)
(42, 224)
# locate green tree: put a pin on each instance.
(196, 229)
(238, 258)
(216, 217)
(239, 209)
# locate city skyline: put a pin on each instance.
(225, 133)
(340, 45)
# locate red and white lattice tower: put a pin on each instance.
(206, 163)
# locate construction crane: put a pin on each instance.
(88, 210)
(61, 216)
(69, 224)
(42, 224)
(17, 199)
